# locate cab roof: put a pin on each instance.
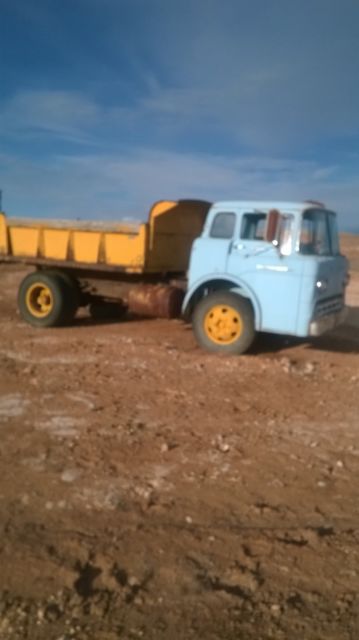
(267, 205)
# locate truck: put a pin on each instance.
(232, 269)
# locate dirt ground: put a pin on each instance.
(151, 490)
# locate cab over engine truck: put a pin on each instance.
(232, 269)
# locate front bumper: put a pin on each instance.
(326, 323)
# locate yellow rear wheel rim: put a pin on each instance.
(223, 324)
(39, 300)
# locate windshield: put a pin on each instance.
(319, 235)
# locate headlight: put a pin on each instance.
(322, 285)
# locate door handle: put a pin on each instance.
(238, 246)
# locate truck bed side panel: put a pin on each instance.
(41, 242)
(4, 248)
(162, 245)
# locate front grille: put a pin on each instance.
(328, 306)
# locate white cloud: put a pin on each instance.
(55, 113)
(100, 186)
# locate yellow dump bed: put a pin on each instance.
(162, 244)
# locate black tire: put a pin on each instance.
(71, 292)
(43, 300)
(223, 322)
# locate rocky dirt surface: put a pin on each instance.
(151, 490)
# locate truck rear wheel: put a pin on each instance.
(71, 292)
(43, 300)
(223, 322)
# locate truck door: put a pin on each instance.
(274, 276)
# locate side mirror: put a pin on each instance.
(272, 226)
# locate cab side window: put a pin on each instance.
(223, 225)
(253, 226)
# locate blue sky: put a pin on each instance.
(108, 105)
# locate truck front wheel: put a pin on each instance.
(43, 300)
(223, 322)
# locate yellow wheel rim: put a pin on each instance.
(39, 300)
(223, 324)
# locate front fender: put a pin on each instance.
(232, 284)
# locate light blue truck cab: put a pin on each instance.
(265, 267)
